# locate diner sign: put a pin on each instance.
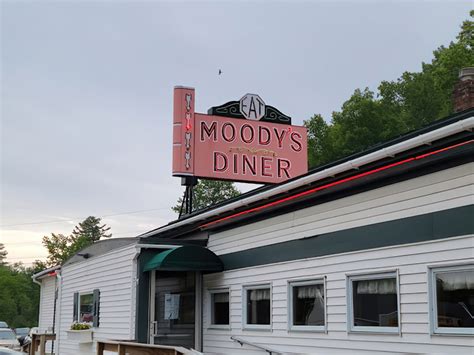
(243, 140)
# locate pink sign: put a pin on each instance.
(224, 148)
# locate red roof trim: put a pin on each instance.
(335, 183)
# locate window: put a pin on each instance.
(86, 307)
(452, 300)
(373, 302)
(257, 306)
(307, 305)
(220, 308)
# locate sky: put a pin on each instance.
(86, 91)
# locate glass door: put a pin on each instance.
(173, 311)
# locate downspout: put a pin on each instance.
(59, 279)
(54, 310)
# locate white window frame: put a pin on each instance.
(246, 326)
(212, 292)
(351, 328)
(433, 309)
(306, 328)
(79, 306)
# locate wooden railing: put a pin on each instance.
(39, 341)
(122, 348)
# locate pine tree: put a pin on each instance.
(91, 230)
(62, 247)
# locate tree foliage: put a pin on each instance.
(19, 296)
(209, 192)
(412, 101)
(61, 247)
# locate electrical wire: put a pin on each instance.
(77, 218)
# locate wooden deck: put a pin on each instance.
(129, 348)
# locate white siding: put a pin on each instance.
(46, 312)
(113, 274)
(434, 192)
(430, 193)
(412, 263)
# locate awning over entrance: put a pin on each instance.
(185, 258)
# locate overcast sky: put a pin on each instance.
(86, 99)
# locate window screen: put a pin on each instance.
(375, 302)
(220, 308)
(258, 306)
(308, 305)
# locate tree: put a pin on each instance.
(19, 296)
(91, 230)
(208, 193)
(412, 101)
(61, 247)
(3, 254)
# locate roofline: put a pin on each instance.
(45, 272)
(462, 122)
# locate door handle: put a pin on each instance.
(154, 328)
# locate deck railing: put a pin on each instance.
(129, 348)
(39, 341)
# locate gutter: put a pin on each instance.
(389, 152)
(43, 273)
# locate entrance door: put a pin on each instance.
(172, 311)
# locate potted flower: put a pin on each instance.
(80, 332)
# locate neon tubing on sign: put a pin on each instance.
(336, 183)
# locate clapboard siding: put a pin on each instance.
(113, 275)
(433, 192)
(46, 311)
(410, 260)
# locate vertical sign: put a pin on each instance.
(183, 131)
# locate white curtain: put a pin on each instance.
(312, 291)
(259, 294)
(379, 287)
(221, 297)
(460, 280)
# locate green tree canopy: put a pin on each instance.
(208, 193)
(19, 296)
(410, 102)
(61, 247)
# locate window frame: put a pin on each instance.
(433, 309)
(245, 325)
(351, 328)
(79, 307)
(211, 292)
(306, 328)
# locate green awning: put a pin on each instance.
(186, 258)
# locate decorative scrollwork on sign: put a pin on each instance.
(274, 115)
(229, 109)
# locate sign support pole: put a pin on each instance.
(189, 182)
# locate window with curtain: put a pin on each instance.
(258, 305)
(374, 302)
(86, 307)
(307, 304)
(220, 307)
(453, 296)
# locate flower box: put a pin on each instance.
(80, 336)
